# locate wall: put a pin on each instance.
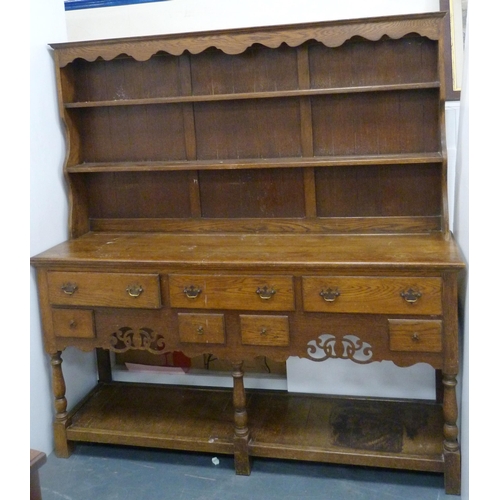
(48, 215)
(461, 231)
(49, 203)
(177, 16)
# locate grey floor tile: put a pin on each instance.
(100, 472)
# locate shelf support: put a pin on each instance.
(241, 432)
(306, 129)
(104, 365)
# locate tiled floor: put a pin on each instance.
(100, 472)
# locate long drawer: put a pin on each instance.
(372, 295)
(254, 293)
(104, 289)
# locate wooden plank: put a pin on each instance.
(366, 446)
(430, 252)
(252, 95)
(333, 225)
(154, 415)
(257, 163)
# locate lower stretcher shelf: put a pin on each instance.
(370, 432)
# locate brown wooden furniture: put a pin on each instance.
(275, 191)
(37, 459)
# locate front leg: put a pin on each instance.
(63, 448)
(451, 447)
(241, 432)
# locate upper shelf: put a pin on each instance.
(331, 34)
(252, 95)
(239, 164)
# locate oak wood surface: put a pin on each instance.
(330, 33)
(294, 427)
(371, 295)
(102, 289)
(415, 335)
(262, 251)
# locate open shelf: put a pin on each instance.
(252, 95)
(246, 163)
(371, 432)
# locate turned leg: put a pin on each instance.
(450, 445)
(241, 433)
(61, 422)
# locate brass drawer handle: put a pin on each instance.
(411, 296)
(69, 288)
(263, 331)
(192, 292)
(265, 293)
(415, 337)
(329, 295)
(199, 330)
(134, 290)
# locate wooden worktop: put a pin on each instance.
(250, 250)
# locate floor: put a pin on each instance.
(95, 472)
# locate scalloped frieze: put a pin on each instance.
(331, 34)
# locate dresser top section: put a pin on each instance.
(255, 251)
(236, 41)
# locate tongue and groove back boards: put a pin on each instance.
(326, 128)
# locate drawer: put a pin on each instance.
(264, 330)
(254, 293)
(201, 328)
(372, 295)
(76, 323)
(104, 289)
(415, 335)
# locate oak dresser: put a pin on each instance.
(276, 191)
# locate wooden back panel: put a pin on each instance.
(325, 127)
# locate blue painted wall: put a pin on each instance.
(92, 4)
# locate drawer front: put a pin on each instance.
(201, 328)
(264, 330)
(254, 293)
(105, 289)
(418, 335)
(372, 295)
(75, 323)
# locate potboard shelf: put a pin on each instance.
(369, 432)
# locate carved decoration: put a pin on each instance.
(144, 339)
(347, 347)
(331, 34)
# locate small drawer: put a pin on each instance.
(201, 328)
(76, 323)
(104, 289)
(415, 335)
(372, 295)
(264, 330)
(254, 293)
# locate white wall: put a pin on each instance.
(48, 215)
(177, 16)
(48, 212)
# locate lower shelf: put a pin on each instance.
(370, 432)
